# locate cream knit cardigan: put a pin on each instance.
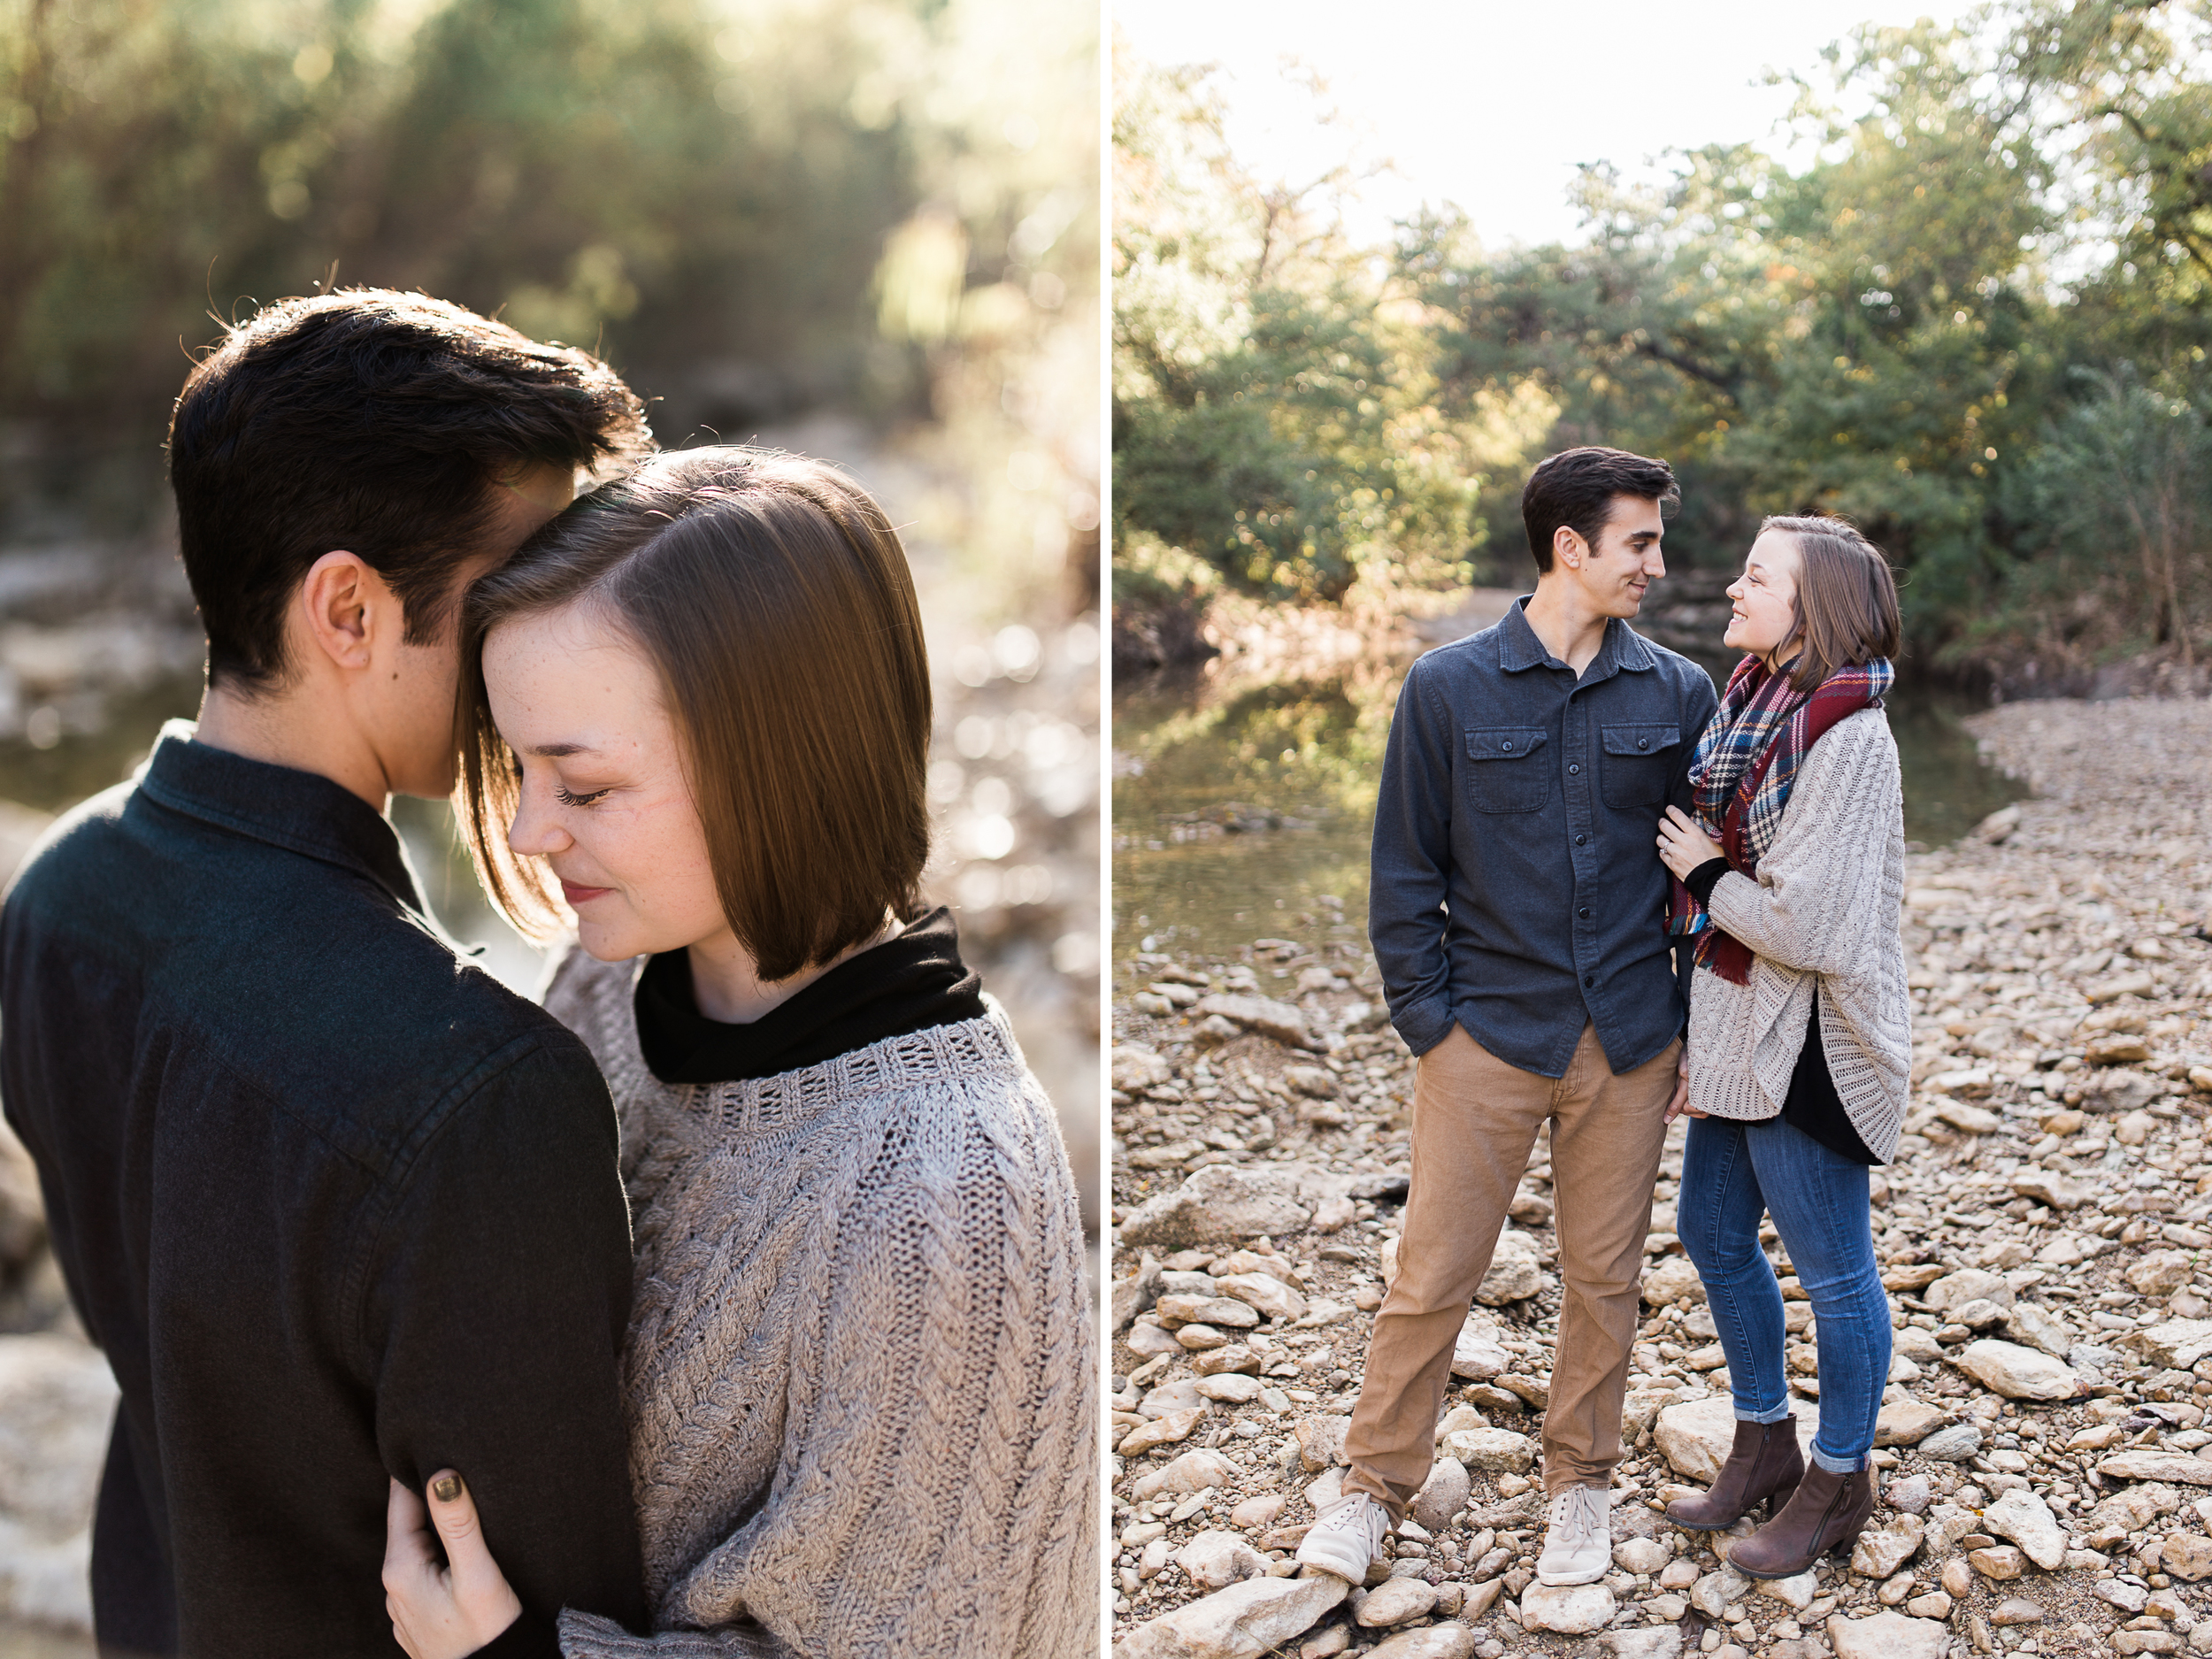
(860, 1370)
(1823, 910)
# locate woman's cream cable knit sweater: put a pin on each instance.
(860, 1369)
(1825, 907)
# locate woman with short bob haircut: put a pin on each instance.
(1800, 1034)
(859, 1367)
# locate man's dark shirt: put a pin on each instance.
(332, 1201)
(1516, 886)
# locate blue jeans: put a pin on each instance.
(1733, 1173)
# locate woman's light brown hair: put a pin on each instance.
(1847, 598)
(772, 596)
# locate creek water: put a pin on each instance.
(1241, 816)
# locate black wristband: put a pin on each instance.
(1701, 880)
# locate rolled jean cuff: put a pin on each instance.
(1744, 1414)
(1838, 1465)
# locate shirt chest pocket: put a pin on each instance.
(1504, 774)
(1636, 762)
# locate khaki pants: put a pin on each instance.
(1475, 1119)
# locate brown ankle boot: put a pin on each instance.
(1763, 1464)
(1826, 1512)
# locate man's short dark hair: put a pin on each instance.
(373, 421)
(1576, 489)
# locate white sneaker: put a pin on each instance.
(1579, 1538)
(1348, 1536)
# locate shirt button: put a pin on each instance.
(1589, 979)
(1507, 746)
(1584, 912)
(1643, 742)
(1572, 770)
(1580, 839)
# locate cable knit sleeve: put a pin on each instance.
(1808, 910)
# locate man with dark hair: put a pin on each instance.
(338, 1207)
(1519, 914)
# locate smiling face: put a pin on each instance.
(1615, 575)
(603, 795)
(1765, 597)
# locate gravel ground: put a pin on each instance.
(2046, 1234)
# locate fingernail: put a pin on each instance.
(446, 1488)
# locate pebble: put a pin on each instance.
(1395, 1602)
(1573, 1609)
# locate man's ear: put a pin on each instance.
(1567, 547)
(334, 604)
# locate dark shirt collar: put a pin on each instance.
(1622, 651)
(904, 984)
(296, 811)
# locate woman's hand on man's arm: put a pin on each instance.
(449, 1611)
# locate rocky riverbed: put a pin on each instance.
(2046, 1235)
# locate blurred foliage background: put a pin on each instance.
(1975, 321)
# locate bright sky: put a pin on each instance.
(1491, 105)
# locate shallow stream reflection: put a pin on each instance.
(1246, 815)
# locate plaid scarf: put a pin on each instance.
(1742, 773)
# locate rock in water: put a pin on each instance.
(2025, 1519)
(1889, 1636)
(2016, 1372)
(1219, 1203)
(1241, 1621)
(1695, 1435)
(1573, 1609)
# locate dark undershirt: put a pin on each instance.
(904, 984)
(1812, 1107)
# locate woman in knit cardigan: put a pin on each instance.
(860, 1367)
(1800, 1034)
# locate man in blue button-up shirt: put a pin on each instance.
(1518, 916)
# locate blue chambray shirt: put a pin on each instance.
(1517, 884)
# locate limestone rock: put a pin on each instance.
(1573, 1609)
(2160, 1273)
(1134, 1293)
(1797, 1590)
(1971, 1284)
(1475, 1356)
(2148, 1465)
(2177, 1344)
(1514, 1274)
(1907, 1422)
(2187, 1556)
(2025, 1519)
(1673, 1281)
(1242, 1622)
(2037, 1327)
(1193, 1471)
(1442, 1496)
(1137, 1067)
(1952, 1444)
(1501, 1450)
(1177, 1425)
(1889, 1636)
(2016, 1609)
(1437, 1641)
(1213, 1560)
(1266, 1293)
(1321, 1442)
(1653, 1642)
(1640, 1554)
(1217, 1203)
(1695, 1435)
(1882, 1550)
(1282, 1021)
(1231, 1388)
(1395, 1601)
(2058, 1191)
(2018, 1373)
